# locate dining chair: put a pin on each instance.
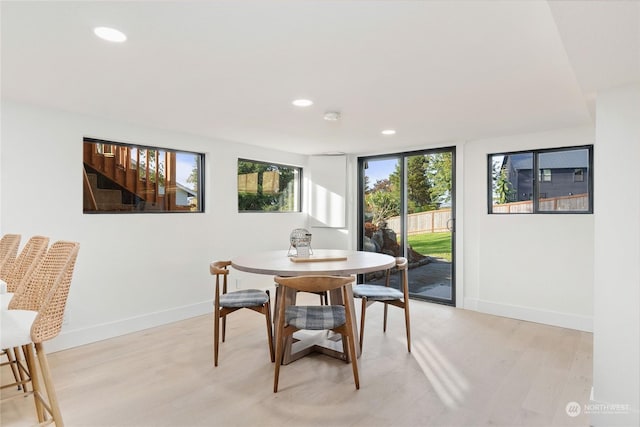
(9, 245)
(335, 317)
(21, 269)
(35, 316)
(226, 303)
(370, 293)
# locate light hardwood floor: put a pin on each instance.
(465, 369)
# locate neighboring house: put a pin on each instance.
(561, 173)
(185, 195)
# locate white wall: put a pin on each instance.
(329, 201)
(531, 267)
(133, 271)
(616, 351)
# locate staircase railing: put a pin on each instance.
(88, 190)
(148, 173)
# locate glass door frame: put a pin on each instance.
(402, 157)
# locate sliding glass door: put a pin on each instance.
(406, 208)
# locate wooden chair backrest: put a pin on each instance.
(219, 267)
(314, 283)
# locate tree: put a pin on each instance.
(382, 205)
(155, 159)
(261, 201)
(419, 184)
(503, 188)
(193, 177)
(382, 185)
(382, 200)
(440, 171)
(428, 183)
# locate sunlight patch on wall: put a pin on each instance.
(327, 208)
(327, 191)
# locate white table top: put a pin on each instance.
(278, 263)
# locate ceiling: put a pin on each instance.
(436, 71)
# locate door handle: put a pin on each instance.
(451, 224)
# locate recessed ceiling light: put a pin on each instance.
(302, 102)
(110, 34)
(389, 132)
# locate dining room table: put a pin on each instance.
(332, 262)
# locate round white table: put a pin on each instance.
(334, 262)
(279, 264)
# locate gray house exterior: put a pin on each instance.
(560, 174)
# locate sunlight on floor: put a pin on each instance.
(450, 385)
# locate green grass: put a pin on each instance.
(437, 245)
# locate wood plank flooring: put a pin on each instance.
(465, 369)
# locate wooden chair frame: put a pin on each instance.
(220, 269)
(314, 284)
(402, 266)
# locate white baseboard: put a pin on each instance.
(547, 317)
(76, 337)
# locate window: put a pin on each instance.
(268, 187)
(125, 178)
(545, 175)
(564, 182)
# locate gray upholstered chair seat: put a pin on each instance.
(243, 298)
(315, 317)
(377, 293)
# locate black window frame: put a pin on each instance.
(535, 181)
(200, 199)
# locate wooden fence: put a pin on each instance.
(422, 222)
(578, 202)
(436, 221)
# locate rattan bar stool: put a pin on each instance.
(34, 316)
(21, 269)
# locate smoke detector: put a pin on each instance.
(332, 116)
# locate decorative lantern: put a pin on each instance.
(300, 241)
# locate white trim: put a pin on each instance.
(547, 317)
(77, 337)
